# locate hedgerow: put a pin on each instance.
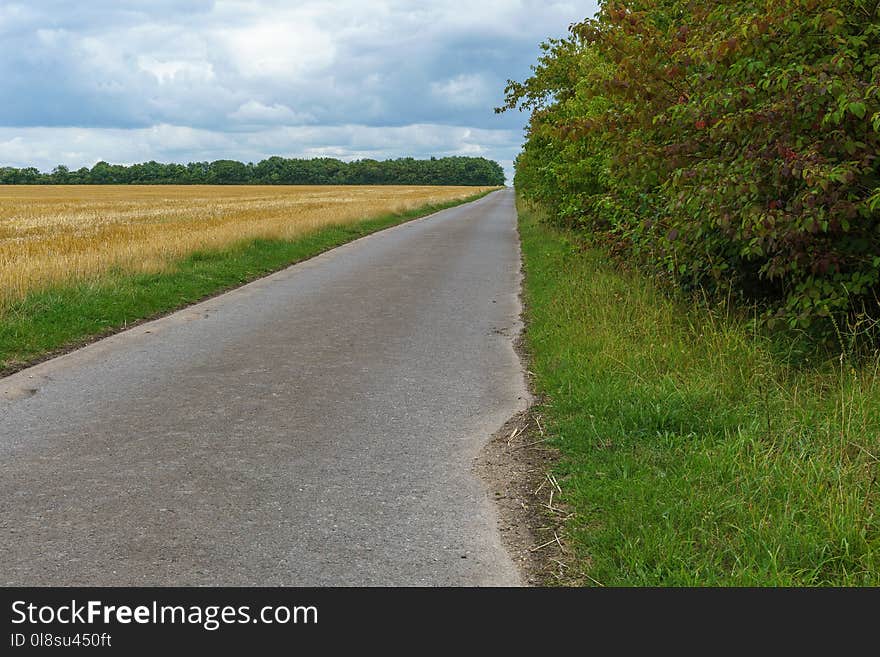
(730, 146)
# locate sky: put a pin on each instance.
(194, 80)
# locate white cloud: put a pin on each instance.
(168, 70)
(256, 113)
(465, 90)
(77, 147)
(278, 50)
(350, 77)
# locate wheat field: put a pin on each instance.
(52, 235)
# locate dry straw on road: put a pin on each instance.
(51, 235)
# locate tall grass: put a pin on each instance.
(696, 451)
(69, 234)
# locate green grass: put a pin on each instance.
(58, 318)
(693, 451)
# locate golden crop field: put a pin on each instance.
(58, 234)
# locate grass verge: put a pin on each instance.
(60, 318)
(692, 450)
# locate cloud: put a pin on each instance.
(77, 147)
(241, 70)
(256, 113)
(284, 50)
(464, 90)
(169, 70)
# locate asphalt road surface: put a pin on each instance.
(316, 427)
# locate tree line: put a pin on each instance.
(727, 147)
(476, 171)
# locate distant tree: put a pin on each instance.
(273, 171)
(227, 172)
(60, 175)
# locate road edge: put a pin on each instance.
(515, 467)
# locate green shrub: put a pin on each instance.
(730, 146)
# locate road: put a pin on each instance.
(315, 427)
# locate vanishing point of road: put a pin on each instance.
(315, 427)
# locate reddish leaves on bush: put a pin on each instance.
(784, 187)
